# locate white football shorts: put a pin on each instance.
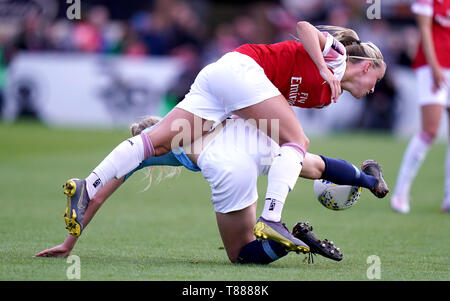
(233, 82)
(232, 163)
(426, 96)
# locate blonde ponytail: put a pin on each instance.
(344, 35)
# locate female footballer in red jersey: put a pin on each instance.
(257, 82)
(432, 67)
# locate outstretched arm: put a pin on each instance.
(64, 249)
(100, 197)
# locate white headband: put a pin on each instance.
(363, 58)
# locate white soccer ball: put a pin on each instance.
(336, 197)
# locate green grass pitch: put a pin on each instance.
(169, 232)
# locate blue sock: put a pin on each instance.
(261, 252)
(342, 172)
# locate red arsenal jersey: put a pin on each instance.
(439, 10)
(289, 67)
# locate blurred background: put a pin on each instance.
(99, 63)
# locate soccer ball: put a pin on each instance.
(336, 197)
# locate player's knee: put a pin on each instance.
(234, 251)
(301, 142)
(306, 143)
(233, 257)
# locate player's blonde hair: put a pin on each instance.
(164, 171)
(356, 50)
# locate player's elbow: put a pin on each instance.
(302, 24)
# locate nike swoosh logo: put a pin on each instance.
(80, 204)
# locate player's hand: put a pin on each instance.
(439, 79)
(59, 251)
(334, 83)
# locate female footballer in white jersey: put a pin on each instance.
(231, 160)
(257, 82)
(432, 67)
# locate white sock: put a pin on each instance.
(412, 161)
(283, 175)
(123, 159)
(272, 210)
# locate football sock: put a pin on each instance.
(123, 159)
(415, 153)
(261, 252)
(344, 173)
(272, 210)
(283, 175)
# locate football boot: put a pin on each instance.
(77, 203)
(371, 167)
(278, 232)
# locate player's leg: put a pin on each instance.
(232, 174)
(236, 231)
(190, 119)
(176, 128)
(245, 91)
(178, 124)
(431, 106)
(343, 172)
(233, 178)
(414, 156)
(286, 166)
(445, 207)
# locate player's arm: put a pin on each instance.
(424, 23)
(64, 249)
(100, 197)
(314, 43)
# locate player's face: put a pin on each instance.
(369, 76)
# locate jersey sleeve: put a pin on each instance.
(335, 55)
(422, 7)
(168, 159)
(173, 158)
(181, 156)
